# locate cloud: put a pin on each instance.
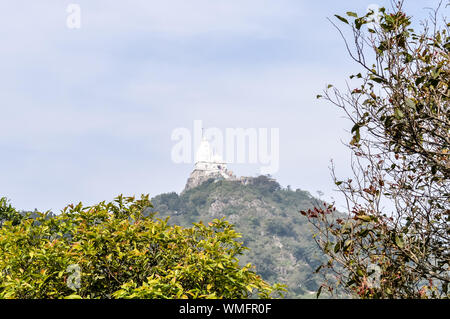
(88, 114)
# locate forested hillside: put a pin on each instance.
(279, 240)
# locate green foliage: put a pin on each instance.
(279, 226)
(8, 213)
(404, 96)
(266, 185)
(398, 197)
(113, 250)
(266, 215)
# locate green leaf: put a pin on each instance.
(364, 233)
(337, 247)
(434, 169)
(73, 297)
(389, 19)
(348, 243)
(318, 269)
(359, 22)
(318, 292)
(341, 18)
(356, 138)
(398, 113)
(365, 218)
(356, 127)
(399, 241)
(352, 14)
(408, 57)
(377, 79)
(420, 80)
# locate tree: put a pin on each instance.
(112, 250)
(8, 213)
(394, 241)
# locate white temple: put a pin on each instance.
(208, 165)
(206, 159)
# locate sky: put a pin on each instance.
(88, 113)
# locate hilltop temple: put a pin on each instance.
(208, 165)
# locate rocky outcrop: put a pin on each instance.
(198, 177)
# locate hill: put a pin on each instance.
(279, 240)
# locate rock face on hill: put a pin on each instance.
(279, 240)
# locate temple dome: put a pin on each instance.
(204, 152)
(207, 160)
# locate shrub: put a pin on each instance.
(112, 250)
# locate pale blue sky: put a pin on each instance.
(87, 114)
